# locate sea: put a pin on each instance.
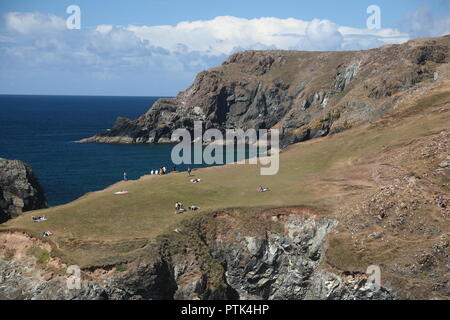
(42, 131)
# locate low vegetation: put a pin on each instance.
(102, 228)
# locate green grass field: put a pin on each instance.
(102, 226)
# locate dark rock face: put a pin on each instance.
(20, 190)
(304, 94)
(213, 262)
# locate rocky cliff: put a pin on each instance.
(20, 190)
(211, 257)
(304, 94)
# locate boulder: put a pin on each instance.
(20, 190)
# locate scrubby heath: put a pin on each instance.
(340, 203)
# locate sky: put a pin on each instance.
(156, 47)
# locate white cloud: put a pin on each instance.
(322, 35)
(223, 35)
(104, 28)
(115, 53)
(33, 23)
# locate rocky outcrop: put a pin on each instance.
(20, 190)
(213, 257)
(304, 94)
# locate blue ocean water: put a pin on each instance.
(41, 130)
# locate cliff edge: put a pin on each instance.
(20, 190)
(304, 94)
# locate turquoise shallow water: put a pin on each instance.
(41, 131)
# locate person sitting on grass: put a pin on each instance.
(179, 207)
(262, 189)
(441, 202)
(47, 234)
(193, 208)
(196, 180)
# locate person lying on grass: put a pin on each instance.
(39, 219)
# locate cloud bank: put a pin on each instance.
(162, 59)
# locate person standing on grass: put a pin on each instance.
(125, 176)
(189, 171)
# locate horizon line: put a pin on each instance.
(82, 95)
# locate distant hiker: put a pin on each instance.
(125, 176)
(174, 168)
(152, 172)
(164, 170)
(156, 172)
(189, 171)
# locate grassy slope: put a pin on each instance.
(102, 225)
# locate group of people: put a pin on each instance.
(40, 219)
(179, 207)
(160, 172)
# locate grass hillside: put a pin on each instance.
(326, 173)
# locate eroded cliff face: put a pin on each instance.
(212, 257)
(304, 94)
(20, 190)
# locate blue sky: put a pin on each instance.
(155, 47)
(160, 12)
